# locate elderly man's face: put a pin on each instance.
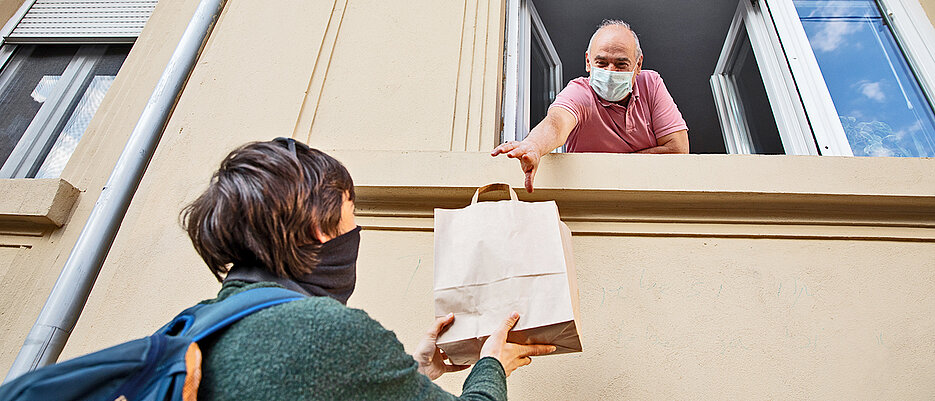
(613, 49)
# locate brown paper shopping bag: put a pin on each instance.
(492, 258)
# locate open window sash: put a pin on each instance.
(797, 93)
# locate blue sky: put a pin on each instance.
(878, 99)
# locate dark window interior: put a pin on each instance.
(682, 40)
(539, 99)
(17, 105)
(752, 93)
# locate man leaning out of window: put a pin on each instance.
(619, 108)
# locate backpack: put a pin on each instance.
(163, 366)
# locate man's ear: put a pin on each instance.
(639, 66)
(587, 63)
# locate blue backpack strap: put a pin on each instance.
(203, 320)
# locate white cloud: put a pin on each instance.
(833, 35)
(879, 151)
(873, 90)
(910, 130)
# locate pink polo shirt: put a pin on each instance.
(607, 127)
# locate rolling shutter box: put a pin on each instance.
(82, 21)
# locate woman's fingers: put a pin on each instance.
(455, 368)
(440, 325)
(526, 351)
(507, 325)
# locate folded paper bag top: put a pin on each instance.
(493, 258)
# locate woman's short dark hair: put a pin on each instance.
(263, 206)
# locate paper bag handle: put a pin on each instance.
(494, 187)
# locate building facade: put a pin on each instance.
(700, 276)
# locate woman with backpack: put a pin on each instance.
(279, 213)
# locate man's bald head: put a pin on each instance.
(613, 28)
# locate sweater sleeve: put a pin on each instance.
(391, 373)
(487, 381)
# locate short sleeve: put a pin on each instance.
(666, 117)
(574, 98)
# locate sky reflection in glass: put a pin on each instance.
(880, 103)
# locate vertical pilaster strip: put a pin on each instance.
(489, 124)
(459, 120)
(475, 119)
(306, 118)
(478, 66)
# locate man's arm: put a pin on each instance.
(553, 131)
(676, 142)
(548, 135)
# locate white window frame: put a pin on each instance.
(523, 25)
(915, 36)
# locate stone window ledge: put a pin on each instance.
(668, 195)
(36, 203)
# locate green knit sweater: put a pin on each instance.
(318, 349)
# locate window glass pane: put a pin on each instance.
(751, 92)
(882, 108)
(23, 87)
(104, 74)
(78, 121)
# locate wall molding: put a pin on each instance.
(678, 213)
(664, 195)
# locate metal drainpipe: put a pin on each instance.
(48, 335)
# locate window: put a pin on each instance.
(532, 71)
(58, 59)
(835, 77)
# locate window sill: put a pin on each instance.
(665, 195)
(36, 203)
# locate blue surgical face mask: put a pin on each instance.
(612, 86)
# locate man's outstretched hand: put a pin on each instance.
(528, 157)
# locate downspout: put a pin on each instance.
(48, 335)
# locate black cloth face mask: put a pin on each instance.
(335, 276)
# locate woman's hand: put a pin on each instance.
(511, 355)
(431, 359)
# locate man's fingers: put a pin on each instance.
(506, 147)
(516, 153)
(536, 349)
(530, 176)
(530, 166)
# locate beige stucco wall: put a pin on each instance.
(700, 277)
(7, 9)
(929, 7)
